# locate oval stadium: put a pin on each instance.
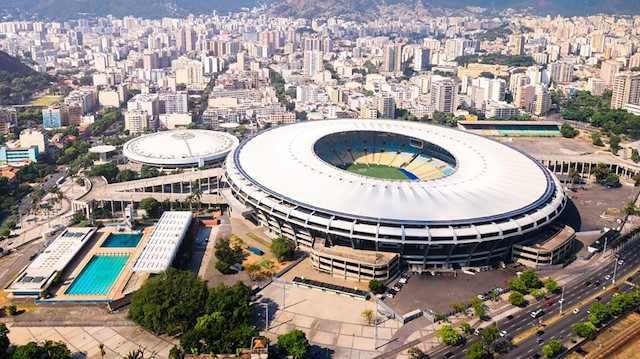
(364, 195)
(180, 148)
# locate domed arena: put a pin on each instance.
(180, 148)
(379, 192)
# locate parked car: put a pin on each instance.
(598, 299)
(482, 297)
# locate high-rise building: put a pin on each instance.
(150, 60)
(444, 95)
(54, 116)
(517, 42)
(421, 59)
(596, 86)
(386, 106)
(136, 121)
(8, 116)
(542, 103)
(626, 89)
(608, 71)
(392, 61)
(173, 102)
(560, 72)
(518, 80)
(312, 62)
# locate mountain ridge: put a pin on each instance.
(73, 9)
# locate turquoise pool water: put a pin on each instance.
(97, 277)
(122, 240)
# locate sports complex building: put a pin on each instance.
(180, 148)
(363, 195)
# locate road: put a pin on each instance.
(576, 293)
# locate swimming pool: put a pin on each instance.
(122, 240)
(98, 275)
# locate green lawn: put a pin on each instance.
(45, 100)
(377, 171)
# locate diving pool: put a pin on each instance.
(122, 240)
(98, 275)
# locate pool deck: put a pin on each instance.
(126, 280)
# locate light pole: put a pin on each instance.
(266, 316)
(615, 268)
(561, 299)
(375, 326)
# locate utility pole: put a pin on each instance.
(284, 289)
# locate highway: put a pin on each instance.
(576, 294)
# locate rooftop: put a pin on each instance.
(162, 246)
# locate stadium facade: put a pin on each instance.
(364, 195)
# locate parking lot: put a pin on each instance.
(438, 292)
(596, 207)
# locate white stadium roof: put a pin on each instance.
(180, 147)
(491, 181)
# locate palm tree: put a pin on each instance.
(136, 354)
(102, 352)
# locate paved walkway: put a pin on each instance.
(118, 341)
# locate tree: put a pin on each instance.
(169, 303)
(553, 348)
(415, 353)
(600, 171)
(49, 349)
(596, 139)
(477, 351)
(476, 302)
(283, 248)
(530, 279)
(518, 285)
(10, 224)
(612, 178)
(227, 254)
(252, 270)
(448, 335)
(4, 341)
(151, 206)
(108, 170)
(635, 157)
(566, 130)
(376, 286)
(368, 315)
(460, 307)
(537, 293)
(600, 313)
(466, 327)
(517, 299)
(149, 172)
(614, 143)
(294, 343)
(126, 175)
(479, 312)
(585, 330)
(490, 334)
(551, 285)
(5, 232)
(102, 351)
(12, 309)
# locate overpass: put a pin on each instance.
(174, 191)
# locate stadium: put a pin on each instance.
(365, 195)
(180, 148)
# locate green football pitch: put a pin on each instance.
(377, 171)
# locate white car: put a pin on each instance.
(607, 277)
(561, 301)
(390, 295)
(503, 333)
(482, 297)
(403, 280)
(576, 311)
(620, 262)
